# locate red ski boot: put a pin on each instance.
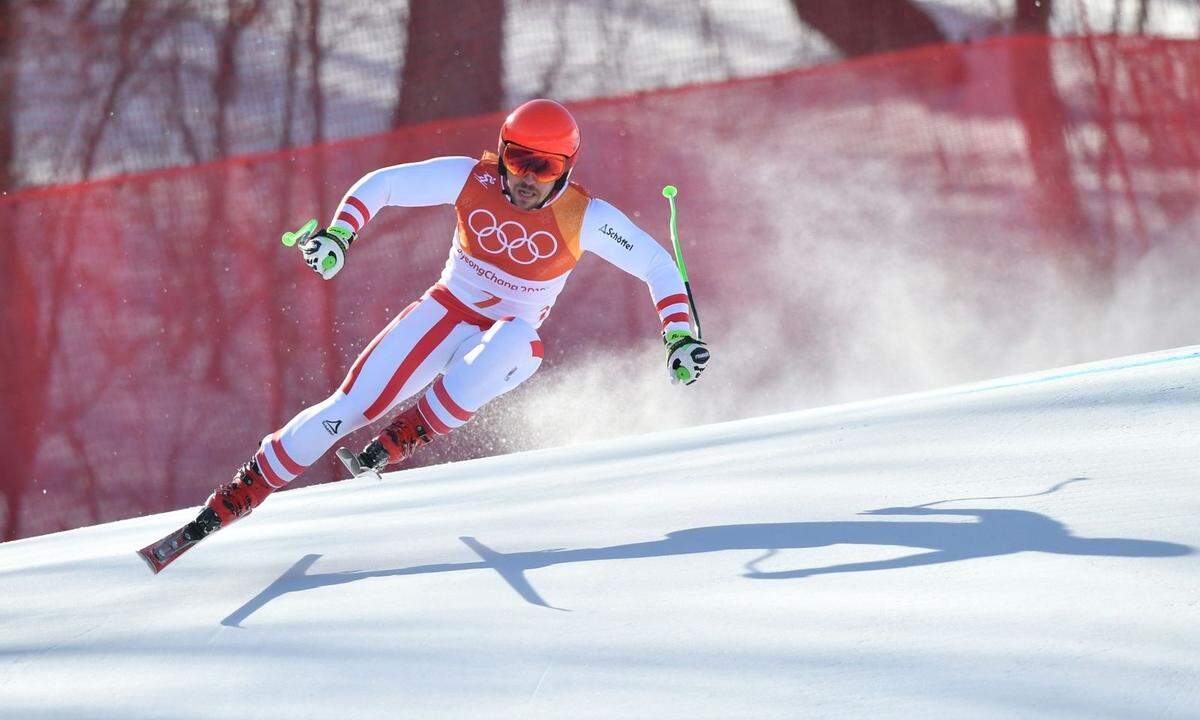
(229, 502)
(236, 498)
(397, 443)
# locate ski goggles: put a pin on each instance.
(522, 161)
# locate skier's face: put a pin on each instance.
(526, 192)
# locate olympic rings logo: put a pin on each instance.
(511, 236)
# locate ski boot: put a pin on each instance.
(397, 443)
(230, 501)
(236, 498)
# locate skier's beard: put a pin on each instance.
(527, 193)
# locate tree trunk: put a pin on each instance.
(1033, 16)
(863, 27)
(452, 64)
(9, 60)
(1055, 197)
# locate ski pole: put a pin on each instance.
(669, 192)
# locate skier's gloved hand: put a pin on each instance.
(686, 357)
(325, 250)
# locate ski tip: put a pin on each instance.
(144, 554)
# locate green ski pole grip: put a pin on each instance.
(669, 192)
(291, 238)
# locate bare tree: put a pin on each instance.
(38, 284)
(24, 352)
(278, 339)
(141, 26)
(452, 64)
(10, 53)
(14, 452)
(240, 15)
(862, 27)
(1042, 114)
(1033, 16)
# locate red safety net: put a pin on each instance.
(155, 329)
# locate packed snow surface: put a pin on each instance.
(1025, 547)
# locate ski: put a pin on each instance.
(160, 554)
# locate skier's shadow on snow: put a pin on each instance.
(994, 532)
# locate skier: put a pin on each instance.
(521, 227)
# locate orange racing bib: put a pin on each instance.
(536, 245)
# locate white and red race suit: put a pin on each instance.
(473, 335)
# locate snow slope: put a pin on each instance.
(1020, 548)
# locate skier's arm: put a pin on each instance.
(608, 233)
(432, 182)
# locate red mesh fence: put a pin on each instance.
(887, 224)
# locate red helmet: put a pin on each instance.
(542, 125)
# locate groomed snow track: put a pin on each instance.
(1025, 547)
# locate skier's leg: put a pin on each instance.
(402, 359)
(484, 367)
(505, 356)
